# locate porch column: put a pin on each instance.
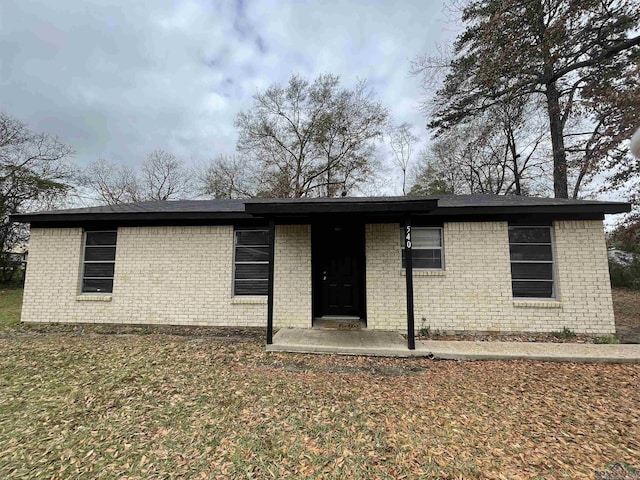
(272, 250)
(408, 263)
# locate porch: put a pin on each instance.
(338, 270)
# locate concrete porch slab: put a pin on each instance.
(392, 344)
(341, 342)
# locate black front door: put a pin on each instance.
(338, 265)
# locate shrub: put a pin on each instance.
(425, 331)
(606, 340)
(625, 276)
(565, 333)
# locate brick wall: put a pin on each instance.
(292, 277)
(165, 275)
(474, 290)
(183, 276)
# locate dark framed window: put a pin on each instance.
(251, 262)
(426, 244)
(99, 260)
(532, 270)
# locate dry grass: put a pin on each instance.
(91, 402)
(162, 406)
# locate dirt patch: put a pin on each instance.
(233, 334)
(510, 337)
(405, 368)
(626, 305)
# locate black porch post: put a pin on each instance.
(272, 250)
(408, 263)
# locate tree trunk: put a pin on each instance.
(557, 142)
(511, 142)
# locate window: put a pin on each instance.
(99, 261)
(426, 246)
(251, 262)
(531, 252)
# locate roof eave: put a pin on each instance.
(126, 217)
(567, 209)
(261, 208)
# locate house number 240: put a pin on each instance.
(408, 237)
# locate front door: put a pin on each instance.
(338, 264)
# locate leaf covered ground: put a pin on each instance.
(83, 404)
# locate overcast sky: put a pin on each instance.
(117, 79)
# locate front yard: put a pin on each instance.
(82, 403)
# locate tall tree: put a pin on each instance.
(556, 49)
(311, 138)
(614, 106)
(227, 176)
(164, 177)
(495, 152)
(34, 172)
(110, 183)
(402, 142)
(161, 177)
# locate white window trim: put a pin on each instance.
(554, 285)
(233, 266)
(441, 248)
(84, 262)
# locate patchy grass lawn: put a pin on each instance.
(164, 406)
(10, 306)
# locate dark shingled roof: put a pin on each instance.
(194, 210)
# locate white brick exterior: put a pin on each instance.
(474, 290)
(165, 275)
(183, 276)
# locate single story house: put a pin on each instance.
(451, 263)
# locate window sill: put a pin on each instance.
(249, 300)
(425, 273)
(537, 304)
(93, 298)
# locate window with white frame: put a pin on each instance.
(251, 262)
(99, 260)
(531, 250)
(426, 247)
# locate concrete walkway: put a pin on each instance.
(392, 344)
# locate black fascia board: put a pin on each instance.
(306, 212)
(51, 218)
(268, 208)
(566, 209)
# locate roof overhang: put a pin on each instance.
(392, 206)
(306, 210)
(127, 217)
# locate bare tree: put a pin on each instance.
(496, 152)
(402, 142)
(311, 138)
(161, 177)
(227, 176)
(34, 170)
(111, 183)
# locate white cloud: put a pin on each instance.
(117, 79)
